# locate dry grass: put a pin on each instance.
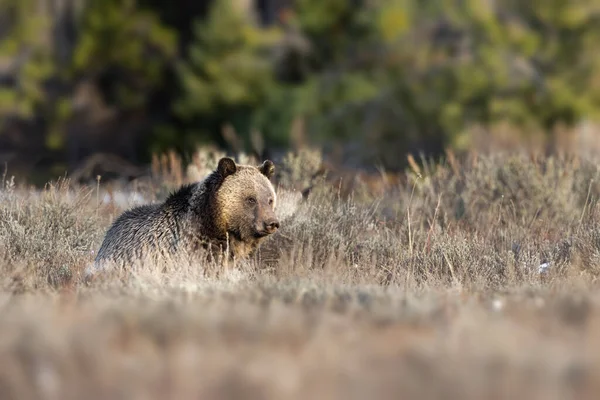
(431, 290)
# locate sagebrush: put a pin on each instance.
(468, 278)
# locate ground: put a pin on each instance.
(470, 278)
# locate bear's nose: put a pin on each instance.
(272, 225)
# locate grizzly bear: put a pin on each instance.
(230, 211)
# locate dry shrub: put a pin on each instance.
(487, 221)
(281, 340)
(47, 236)
(428, 289)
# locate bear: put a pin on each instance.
(230, 212)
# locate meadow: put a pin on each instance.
(470, 278)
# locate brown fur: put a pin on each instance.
(232, 209)
(241, 218)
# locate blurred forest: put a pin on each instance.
(369, 79)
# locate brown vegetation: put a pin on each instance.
(428, 288)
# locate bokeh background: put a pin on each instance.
(367, 81)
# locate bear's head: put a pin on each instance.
(246, 200)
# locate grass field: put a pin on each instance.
(469, 279)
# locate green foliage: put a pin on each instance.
(227, 72)
(126, 43)
(335, 85)
(412, 74)
(386, 76)
(121, 48)
(24, 47)
(334, 27)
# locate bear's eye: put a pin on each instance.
(270, 202)
(251, 200)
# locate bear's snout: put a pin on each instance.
(266, 228)
(271, 225)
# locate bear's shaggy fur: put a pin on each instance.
(231, 209)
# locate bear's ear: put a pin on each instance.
(267, 168)
(226, 167)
